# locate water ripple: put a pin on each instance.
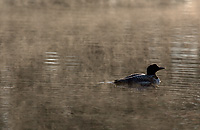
(52, 60)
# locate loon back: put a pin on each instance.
(141, 79)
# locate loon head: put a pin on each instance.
(152, 69)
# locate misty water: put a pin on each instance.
(56, 55)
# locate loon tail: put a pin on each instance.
(121, 81)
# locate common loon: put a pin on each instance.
(149, 79)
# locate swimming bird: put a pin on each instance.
(149, 79)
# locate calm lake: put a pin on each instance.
(55, 54)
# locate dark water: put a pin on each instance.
(54, 56)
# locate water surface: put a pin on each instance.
(55, 56)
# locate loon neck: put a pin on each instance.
(148, 73)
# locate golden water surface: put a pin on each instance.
(57, 57)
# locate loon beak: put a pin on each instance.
(160, 68)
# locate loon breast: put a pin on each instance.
(157, 81)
